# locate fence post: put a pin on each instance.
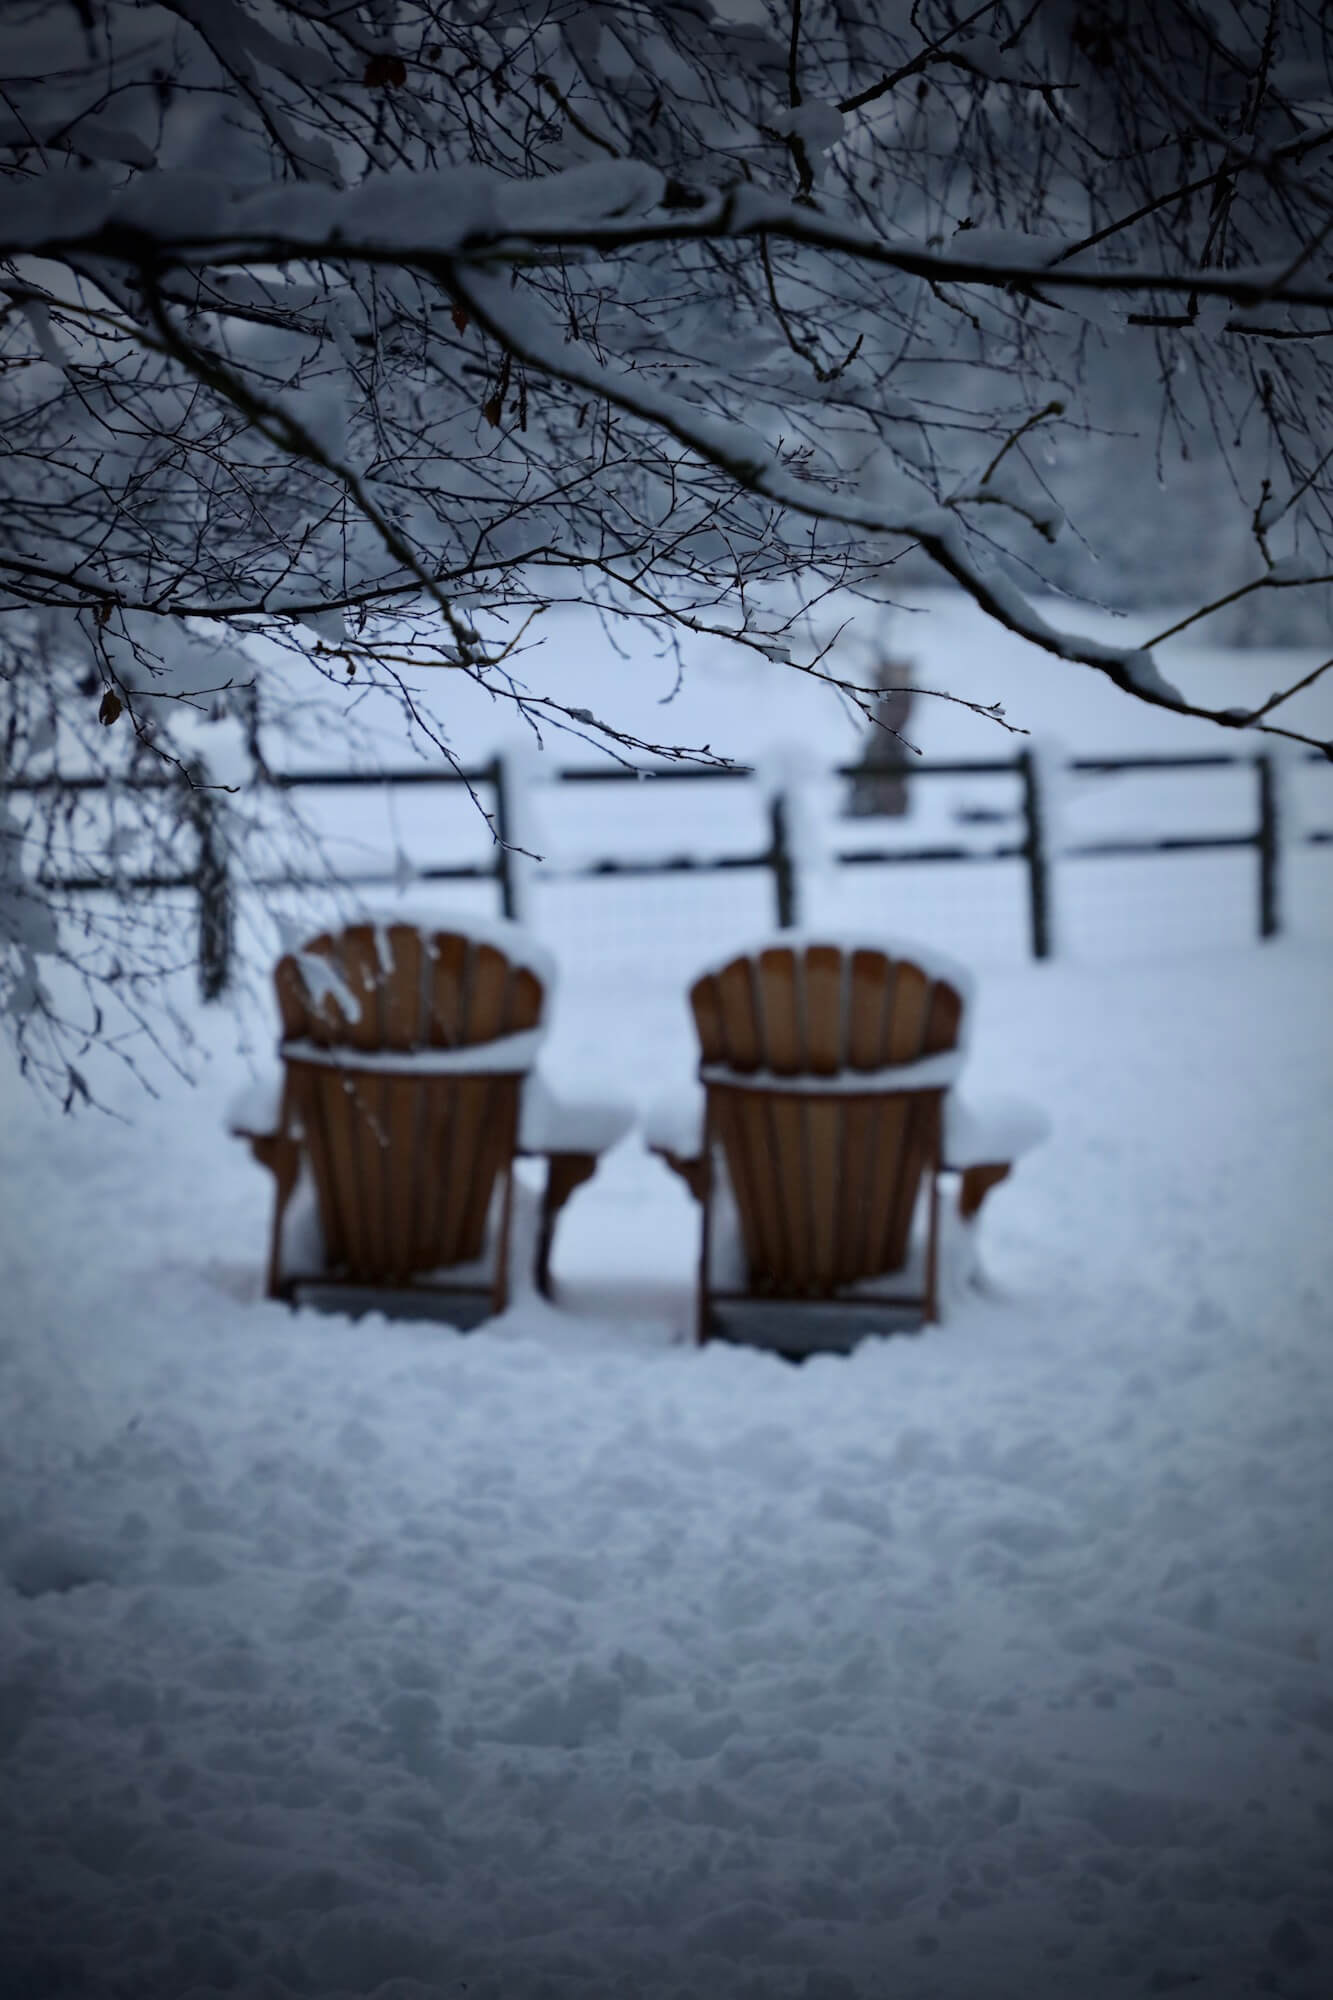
(213, 888)
(1038, 861)
(504, 867)
(1268, 841)
(780, 861)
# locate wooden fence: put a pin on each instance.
(210, 881)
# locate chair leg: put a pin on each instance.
(977, 1183)
(701, 1186)
(702, 1316)
(282, 1156)
(500, 1289)
(933, 1223)
(933, 1253)
(564, 1173)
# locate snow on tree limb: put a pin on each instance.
(475, 216)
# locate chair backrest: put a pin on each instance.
(825, 1169)
(404, 1149)
(396, 986)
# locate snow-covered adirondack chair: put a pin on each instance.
(407, 1090)
(827, 1116)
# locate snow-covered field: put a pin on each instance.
(792, 728)
(561, 1659)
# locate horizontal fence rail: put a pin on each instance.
(209, 878)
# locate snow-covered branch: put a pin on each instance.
(475, 217)
(351, 338)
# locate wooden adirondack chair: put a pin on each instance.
(405, 1056)
(826, 1070)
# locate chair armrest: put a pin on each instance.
(673, 1130)
(675, 1125)
(550, 1125)
(570, 1135)
(994, 1132)
(692, 1169)
(982, 1141)
(256, 1111)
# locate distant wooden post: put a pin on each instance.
(1268, 842)
(1036, 856)
(879, 784)
(213, 888)
(498, 774)
(780, 861)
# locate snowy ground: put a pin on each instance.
(560, 1659)
(563, 1660)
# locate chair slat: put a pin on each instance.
(477, 1184)
(403, 1117)
(706, 1006)
(918, 1127)
(338, 1118)
(780, 1013)
(495, 1143)
(943, 1016)
(327, 1019)
(824, 1161)
(290, 989)
(886, 1164)
(787, 1171)
(306, 1106)
(740, 1016)
(456, 1171)
(435, 1133)
(526, 996)
(363, 976)
(369, 1102)
(402, 1013)
(487, 990)
(823, 1009)
(906, 1015)
(868, 986)
(446, 989)
(727, 1131)
(859, 1126)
